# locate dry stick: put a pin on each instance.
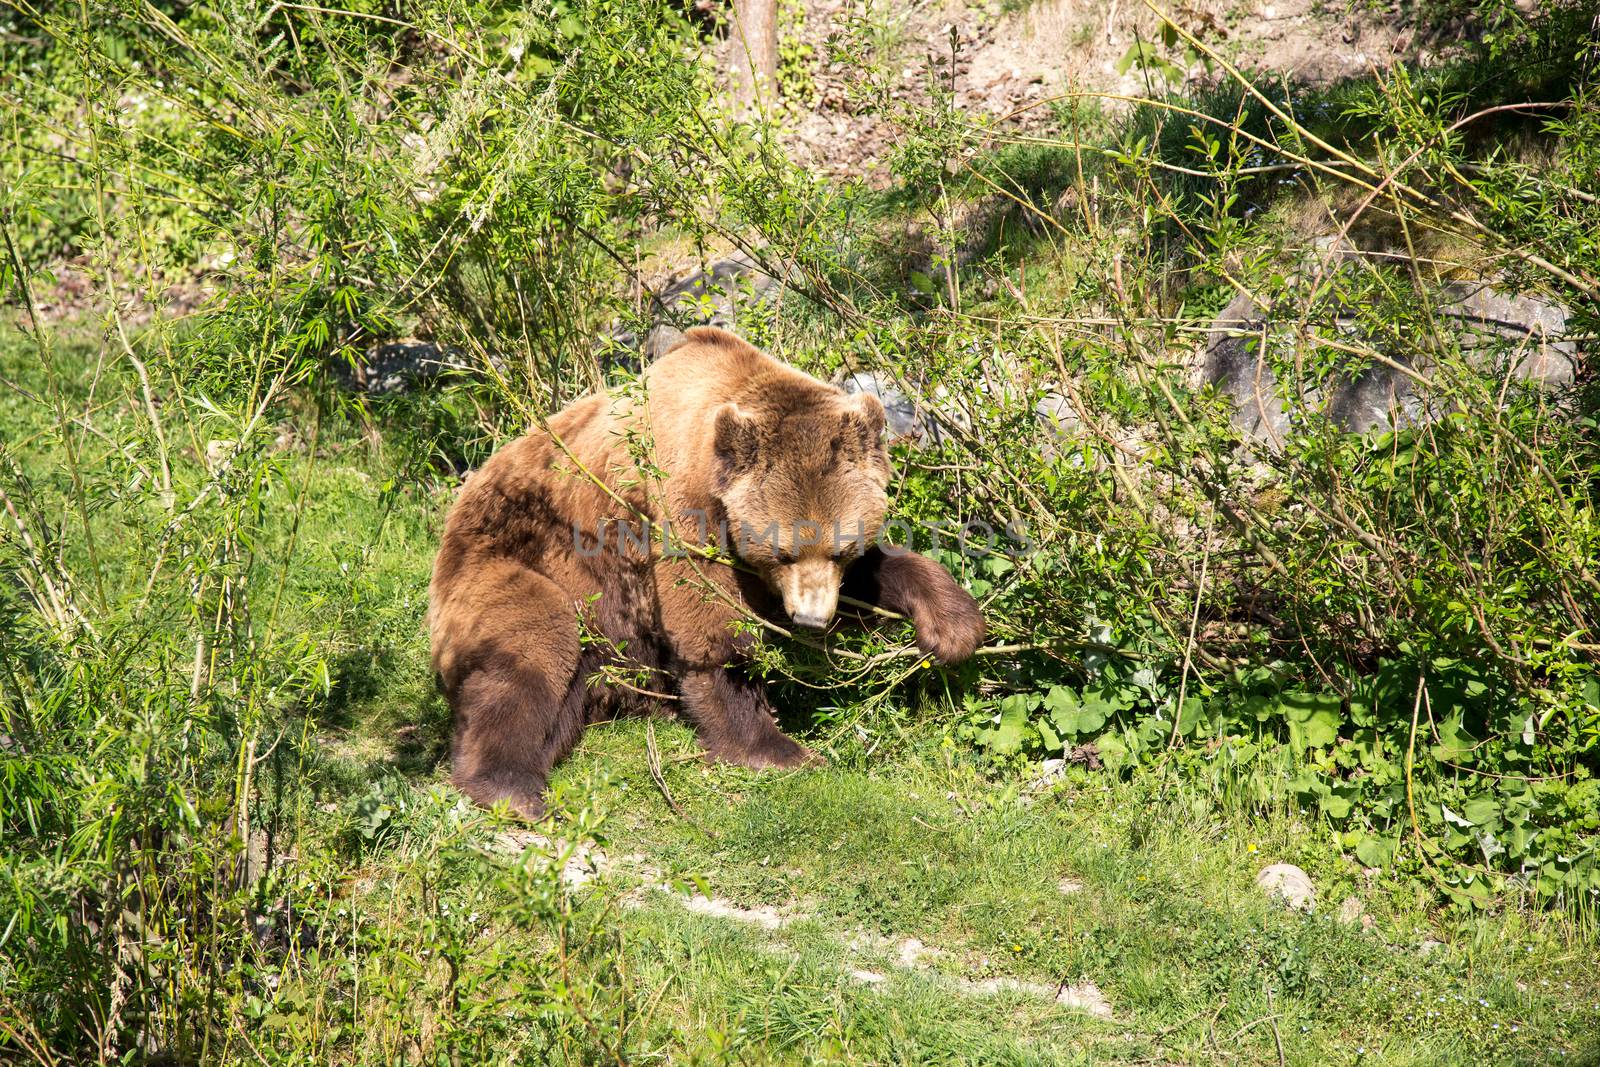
(619, 683)
(1272, 1017)
(653, 759)
(1411, 803)
(1188, 648)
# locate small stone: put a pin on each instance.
(1351, 912)
(1429, 946)
(1068, 886)
(867, 977)
(1288, 883)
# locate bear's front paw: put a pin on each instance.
(951, 635)
(778, 752)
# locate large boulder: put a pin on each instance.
(392, 366)
(906, 421)
(715, 296)
(1521, 335)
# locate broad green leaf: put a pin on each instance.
(1482, 811)
(1313, 718)
(1374, 851)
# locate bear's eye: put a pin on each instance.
(782, 558)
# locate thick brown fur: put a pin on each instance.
(538, 585)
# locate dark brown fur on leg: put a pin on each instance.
(948, 623)
(512, 725)
(735, 721)
(517, 692)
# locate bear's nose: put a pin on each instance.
(811, 592)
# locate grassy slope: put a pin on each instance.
(1166, 923)
(911, 841)
(916, 842)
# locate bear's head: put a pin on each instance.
(802, 477)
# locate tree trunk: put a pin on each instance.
(755, 50)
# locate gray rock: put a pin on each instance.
(1520, 335)
(1289, 884)
(1235, 364)
(712, 297)
(905, 420)
(393, 366)
(1539, 352)
(1058, 415)
(1059, 419)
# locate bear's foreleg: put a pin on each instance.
(735, 720)
(948, 623)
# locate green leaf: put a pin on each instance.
(922, 283)
(1313, 718)
(1006, 735)
(1482, 811)
(1189, 715)
(1374, 851)
(1455, 744)
(1050, 738)
(1114, 752)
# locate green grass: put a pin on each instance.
(1165, 920)
(912, 837)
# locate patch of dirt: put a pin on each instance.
(913, 953)
(1085, 996)
(1006, 68)
(72, 290)
(764, 916)
(584, 865)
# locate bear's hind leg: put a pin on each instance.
(519, 703)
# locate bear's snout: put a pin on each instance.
(810, 590)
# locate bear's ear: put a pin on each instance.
(736, 438)
(864, 413)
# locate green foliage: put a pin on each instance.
(216, 714)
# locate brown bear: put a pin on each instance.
(584, 547)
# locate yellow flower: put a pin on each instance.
(1252, 847)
